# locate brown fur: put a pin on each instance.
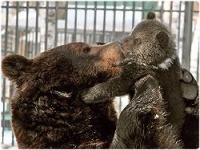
(44, 118)
(148, 50)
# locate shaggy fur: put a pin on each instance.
(47, 111)
(143, 122)
(148, 50)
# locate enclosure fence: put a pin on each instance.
(28, 28)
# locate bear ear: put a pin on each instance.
(163, 39)
(14, 65)
(151, 15)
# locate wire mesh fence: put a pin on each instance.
(28, 28)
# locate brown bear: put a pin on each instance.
(151, 60)
(47, 111)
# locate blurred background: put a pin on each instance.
(28, 28)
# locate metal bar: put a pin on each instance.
(104, 21)
(85, 22)
(95, 21)
(179, 28)
(56, 24)
(75, 23)
(21, 43)
(29, 45)
(170, 15)
(26, 44)
(58, 38)
(46, 25)
(133, 16)
(3, 116)
(36, 30)
(124, 15)
(6, 30)
(4, 81)
(142, 10)
(66, 21)
(39, 44)
(11, 95)
(78, 30)
(7, 98)
(187, 35)
(161, 11)
(13, 141)
(16, 28)
(41, 7)
(31, 51)
(114, 17)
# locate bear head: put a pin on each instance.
(151, 43)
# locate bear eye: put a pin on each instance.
(137, 41)
(86, 50)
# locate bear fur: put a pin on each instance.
(47, 111)
(149, 51)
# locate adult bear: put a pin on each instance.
(47, 111)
